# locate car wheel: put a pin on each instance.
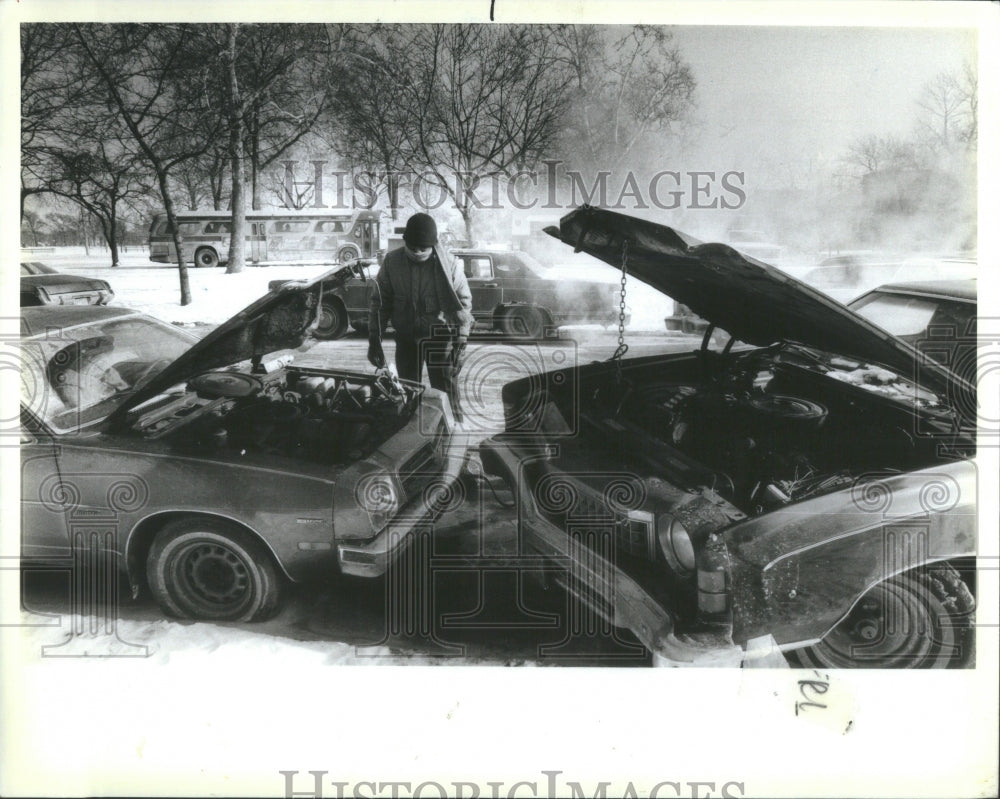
(208, 569)
(347, 255)
(332, 320)
(206, 257)
(916, 620)
(526, 323)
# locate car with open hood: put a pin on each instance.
(801, 487)
(215, 470)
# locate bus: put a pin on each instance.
(270, 236)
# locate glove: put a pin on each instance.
(458, 353)
(376, 357)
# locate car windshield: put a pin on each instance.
(74, 377)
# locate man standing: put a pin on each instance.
(425, 294)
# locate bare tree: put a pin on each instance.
(370, 112)
(153, 78)
(234, 115)
(285, 75)
(628, 84)
(941, 100)
(99, 178)
(871, 154)
(48, 85)
(32, 223)
(968, 85)
(480, 101)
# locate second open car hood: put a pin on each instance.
(754, 302)
(281, 319)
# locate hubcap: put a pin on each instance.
(891, 625)
(213, 576)
(327, 319)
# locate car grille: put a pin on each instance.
(418, 470)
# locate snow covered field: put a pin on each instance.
(215, 296)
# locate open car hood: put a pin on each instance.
(281, 319)
(754, 302)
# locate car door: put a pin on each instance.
(45, 500)
(487, 293)
(520, 285)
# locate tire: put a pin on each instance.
(524, 323)
(206, 257)
(332, 320)
(918, 620)
(209, 569)
(348, 255)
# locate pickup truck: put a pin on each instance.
(510, 294)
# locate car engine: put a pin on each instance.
(322, 415)
(762, 432)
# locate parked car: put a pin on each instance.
(218, 469)
(43, 285)
(938, 316)
(810, 491)
(844, 277)
(510, 293)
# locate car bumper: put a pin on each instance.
(600, 585)
(372, 558)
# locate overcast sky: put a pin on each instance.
(807, 92)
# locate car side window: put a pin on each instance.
(509, 270)
(478, 266)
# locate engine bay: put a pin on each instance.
(322, 415)
(759, 430)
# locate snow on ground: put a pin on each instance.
(215, 296)
(155, 288)
(162, 641)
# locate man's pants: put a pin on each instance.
(438, 354)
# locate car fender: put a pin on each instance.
(797, 571)
(291, 512)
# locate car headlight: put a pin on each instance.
(378, 495)
(676, 544)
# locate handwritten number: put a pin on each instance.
(810, 690)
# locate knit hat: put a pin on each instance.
(421, 231)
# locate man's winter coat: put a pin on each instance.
(420, 297)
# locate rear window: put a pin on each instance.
(912, 318)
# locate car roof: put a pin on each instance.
(954, 289)
(37, 320)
